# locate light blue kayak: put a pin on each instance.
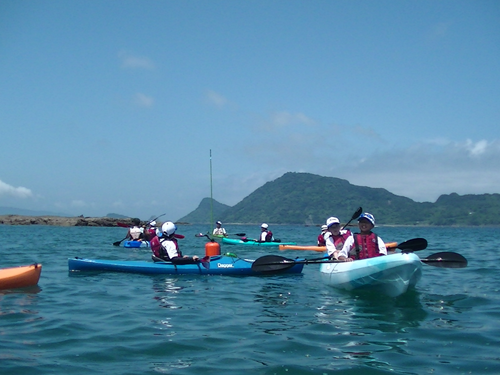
(218, 265)
(391, 274)
(233, 241)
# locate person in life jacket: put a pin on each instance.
(335, 237)
(218, 230)
(321, 236)
(168, 248)
(265, 235)
(150, 231)
(365, 244)
(135, 232)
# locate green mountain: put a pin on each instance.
(202, 215)
(304, 198)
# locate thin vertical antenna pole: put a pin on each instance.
(211, 197)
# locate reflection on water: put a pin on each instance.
(362, 326)
(165, 292)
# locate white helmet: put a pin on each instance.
(264, 225)
(331, 221)
(168, 228)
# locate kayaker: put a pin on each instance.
(321, 236)
(169, 248)
(335, 237)
(135, 232)
(365, 244)
(218, 230)
(150, 231)
(265, 235)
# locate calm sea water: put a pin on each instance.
(111, 323)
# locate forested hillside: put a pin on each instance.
(304, 198)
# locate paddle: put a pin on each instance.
(117, 243)
(446, 260)
(354, 216)
(414, 244)
(124, 225)
(274, 263)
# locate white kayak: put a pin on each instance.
(391, 274)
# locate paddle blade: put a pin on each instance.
(205, 262)
(117, 243)
(446, 259)
(272, 263)
(414, 244)
(240, 234)
(357, 213)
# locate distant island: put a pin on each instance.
(63, 221)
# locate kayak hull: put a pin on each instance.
(218, 265)
(136, 244)
(20, 277)
(391, 275)
(233, 241)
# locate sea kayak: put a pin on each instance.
(136, 244)
(218, 265)
(233, 241)
(391, 274)
(20, 277)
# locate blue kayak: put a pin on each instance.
(218, 265)
(233, 241)
(136, 244)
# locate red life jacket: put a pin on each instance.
(159, 251)
(339, 240)
(321, 239)
(155, 246)
(366, 246)
(149, 234)
(269, 235)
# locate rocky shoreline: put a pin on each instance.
(78, 221)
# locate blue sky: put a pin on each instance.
(114, 106)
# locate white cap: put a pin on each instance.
(218, 222)
(264, 225)
(152, 224)
(332, 220)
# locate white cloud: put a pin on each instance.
(281, 119)
(216, 99)
(18, 192)
(476, 149)
(142, 100)
(135, 62)
(424, 173)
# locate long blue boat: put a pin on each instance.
(218, 265)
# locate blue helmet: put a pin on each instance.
(368, 217)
